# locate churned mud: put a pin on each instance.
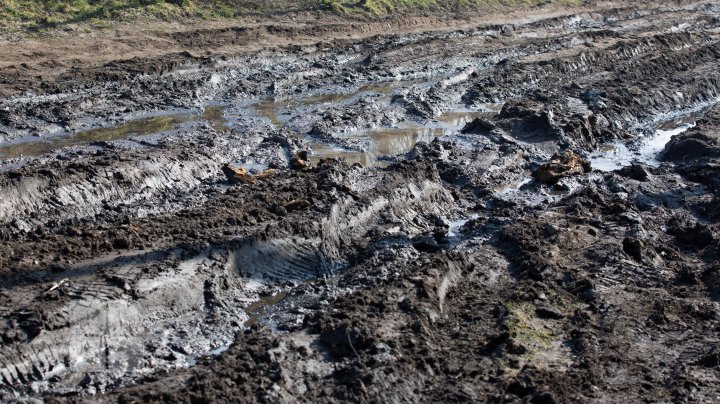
(522, 210)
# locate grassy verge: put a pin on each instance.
(41, 14)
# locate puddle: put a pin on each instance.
(611, 157)
(334, 98)
(331, 98)
(491, 107)
(386, 142)
(254, 310)
(459, 119)
(270, 109)
(383, 141)
(215, 115)
(618, 155)
(323, 151)
(139, 127)
(273, 108)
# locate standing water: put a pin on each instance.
(138, 127)
(618, 155)
(385, 142)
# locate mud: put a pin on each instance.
(519, 212)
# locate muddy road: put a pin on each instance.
(520, 210)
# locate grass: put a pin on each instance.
(50, 13)
(521, 326)
(39, 14)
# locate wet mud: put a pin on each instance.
(520, 212)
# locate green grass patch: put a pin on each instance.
(35, 14)
(39, 14)
(521, 326)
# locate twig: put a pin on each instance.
(57, 285)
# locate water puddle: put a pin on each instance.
(270, 109)
(335, 98)
(386, 142)
(614, 156)
(275, 110)
(458, 119)
(215, 115)
(255, 310)
(217, 351)
(382, 142)
(139, 127)
(617, 155)
(491, 107)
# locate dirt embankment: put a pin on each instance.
(533, 216)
